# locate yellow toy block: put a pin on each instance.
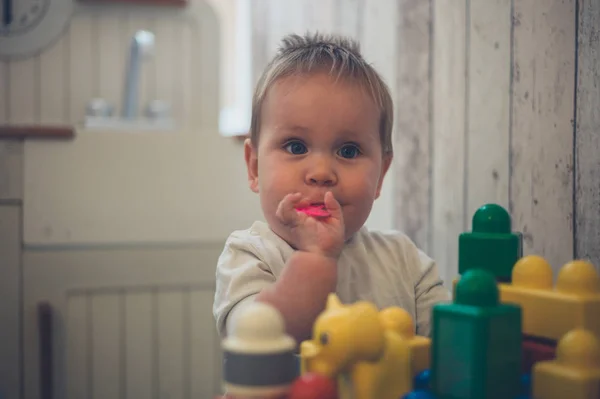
(575, 374)
(551, 312)
(454, 282)
(352, 344)
(400, 321)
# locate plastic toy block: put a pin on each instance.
(490, 245)
(525, 385)
(419, 395)
(421, 380)
(258, 357)
(313, 386)
(400, 321)
(575, 374)
(551, 312)
(536, 350)
(476, 342)
(352, 343)
(454, 282)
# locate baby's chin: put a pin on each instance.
(350, 233)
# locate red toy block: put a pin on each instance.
(313, 386)
(536, 350)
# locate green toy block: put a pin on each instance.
(490, 245)
(476, 342)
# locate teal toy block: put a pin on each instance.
(476, 342)
(490, 245)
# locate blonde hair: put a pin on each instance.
(305, 54)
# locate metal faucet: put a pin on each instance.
(142, 48)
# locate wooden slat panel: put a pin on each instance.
(166, 52)
(4, 91)
(139, 359)
(10, 305)
(348, 17)
(379, 39)
(448, 218)
(542, 132)
(183, 41)
(23, 91)
(587, 192)
(53, 85)
(173, 343)
(81, 66)
(203, 75)
(187, 75)
(488, 102)
(106, 346)
(378, 43)
(11, 170)
(284, 18)
(260, 37)
(202, 332)
(319, 15)
(412, 140)
(79, 334)
(111, 55)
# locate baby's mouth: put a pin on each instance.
(317, 210)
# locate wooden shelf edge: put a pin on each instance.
(241, 137)
(35, 131)
(173, 3)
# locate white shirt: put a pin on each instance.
(384, 268)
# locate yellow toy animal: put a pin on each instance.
(359, 346)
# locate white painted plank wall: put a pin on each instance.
(10, 305)
(4, 87)
(413, 121)
(448, 141)
(488, 104)
(11, 170)
(587, 135)
(378, 39)
(147, 342)
(541, 130)
(129, 323)
(54, 98)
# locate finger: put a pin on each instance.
(333, 206)
(286, 211)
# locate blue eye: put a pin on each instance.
(296, 148)
(349, 151)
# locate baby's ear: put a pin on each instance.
(251, 156)
(385, 166)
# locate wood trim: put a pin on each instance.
(174, 3)
(46, 353)
(32, 131)
(241, 137)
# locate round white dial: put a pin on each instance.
(28, 26)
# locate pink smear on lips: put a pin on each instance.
(318, 211)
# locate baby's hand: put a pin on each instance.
(321, 235)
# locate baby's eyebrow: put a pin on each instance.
(293, 128)
(352, 134)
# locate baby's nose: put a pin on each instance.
(321, 174)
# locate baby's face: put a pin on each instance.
(318, 135)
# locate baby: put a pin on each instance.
(321, 137)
